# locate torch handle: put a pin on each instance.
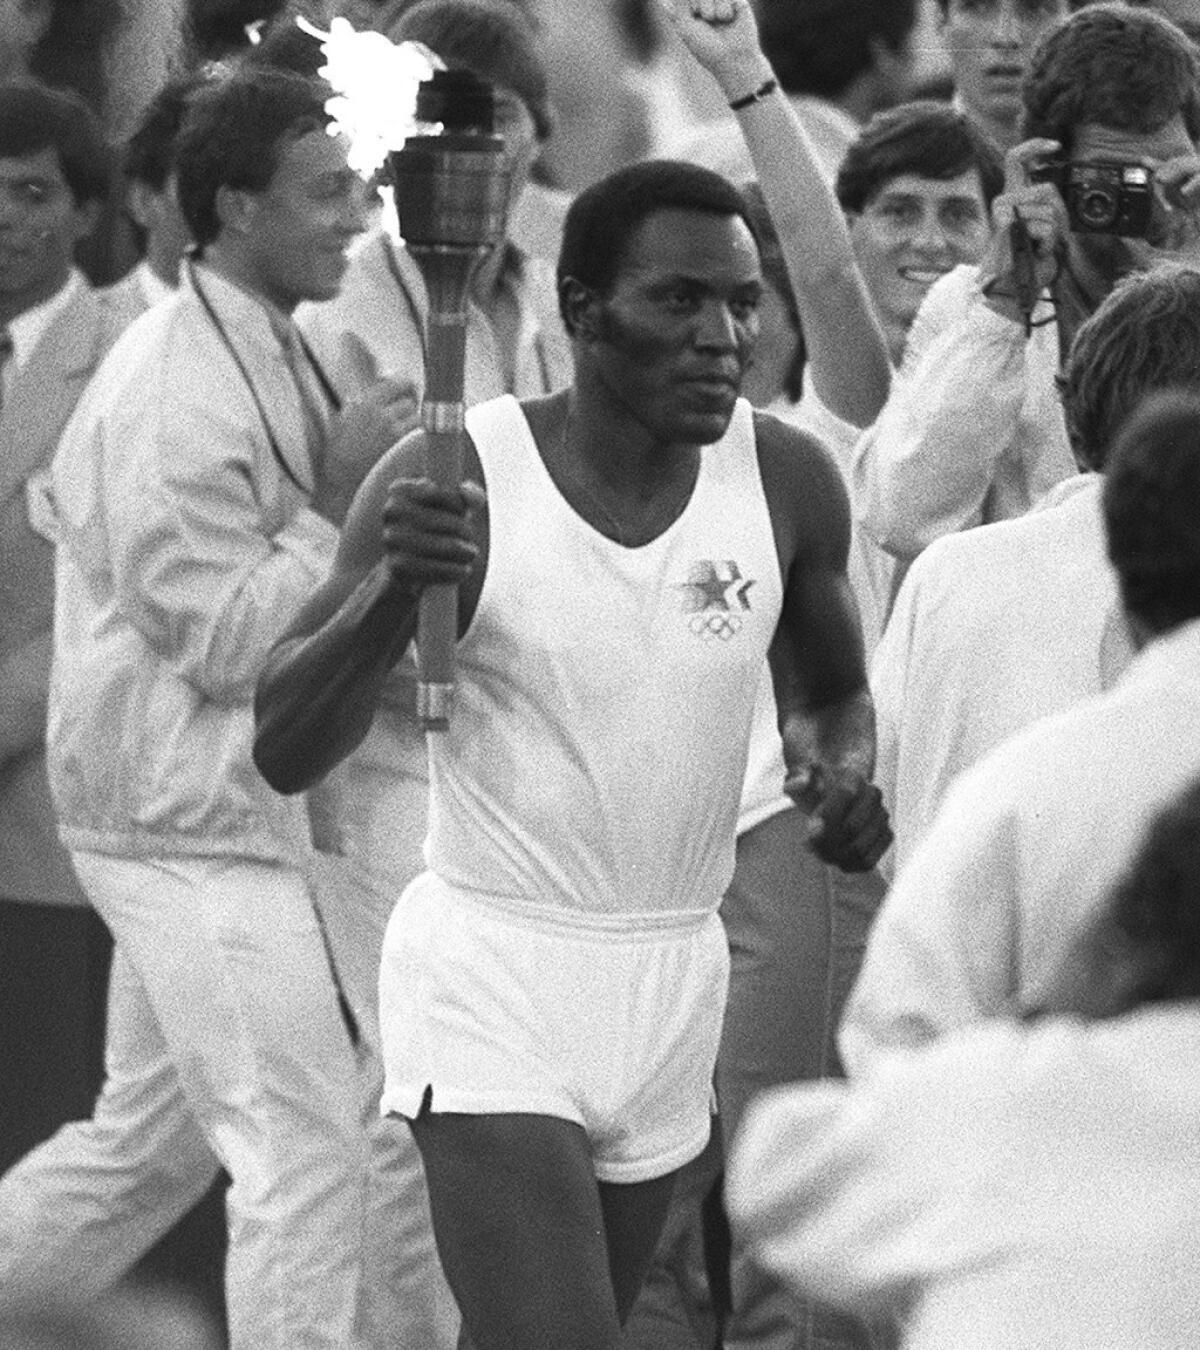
(442, 413)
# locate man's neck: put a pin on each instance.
(229, 264)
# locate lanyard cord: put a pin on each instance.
(326, 387)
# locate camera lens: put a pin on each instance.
(1097, 207)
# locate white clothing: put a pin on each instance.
(616, 1032)
(1008, 1187)
(1023, 852)
(992, 629)
(383, 307)
(603, 710)
(972, 430)
(268, 1049)
(184, 552)
(185, 549)
(26, 329)
(869, 570)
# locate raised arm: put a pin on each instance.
(847, 353)
(324, 679)
(826, 718)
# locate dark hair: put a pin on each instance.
(1144, 336)
(930, 139)
(34, 117)
(494, 39)
(821, 46)
(1114, 66)
(1155, 908)
(1152, 509)
(775, 274)
(603, 217)
(232, 134)
(150, 152)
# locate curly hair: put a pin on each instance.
(1152, 509)
(1144, 336)
(1113, 66)
(232, 134)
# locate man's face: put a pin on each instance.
(913, 231)
(40, 224)
(675, 337)
(305, 219)
(1174, 233)
(989, 43)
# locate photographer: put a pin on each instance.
(972, 431)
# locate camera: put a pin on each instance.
(1102, 198)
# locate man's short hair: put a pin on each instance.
(931, 140)
(1112, 66)
(1144, 336)
(1152, 511)
(232, 135)
(35, 117)
(820, 47)
(603, 217)
(493, 39)
(1155, 908)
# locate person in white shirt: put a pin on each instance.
(54, 332)
(618, 599)
(998, 626)
(1027, 1184)
(196, 495)
(972, 431)
(1029, 840)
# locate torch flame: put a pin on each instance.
(375, 83)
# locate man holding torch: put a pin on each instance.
(552, 986)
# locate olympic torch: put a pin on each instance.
(451, 189)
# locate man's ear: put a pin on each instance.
(580, 307)
(235, 208)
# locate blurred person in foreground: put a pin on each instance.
(997, 626)
(1031, 1183)
(1028, 840)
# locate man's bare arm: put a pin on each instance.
(826, 717)
(325, 677)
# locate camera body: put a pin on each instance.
(1104, 197)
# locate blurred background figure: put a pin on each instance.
(1034, 1185)
(151, 197)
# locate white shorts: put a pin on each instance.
(485, 1010)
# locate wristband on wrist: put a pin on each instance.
(767, 87)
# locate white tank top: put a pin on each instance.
(597, 743)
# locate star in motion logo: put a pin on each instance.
(715, 595)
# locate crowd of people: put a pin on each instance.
(792, 941)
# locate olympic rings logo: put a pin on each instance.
(715, 624)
